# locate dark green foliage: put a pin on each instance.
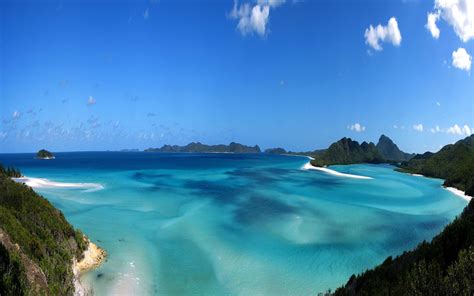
(275, 151)
(203, 148)
(445, 266)
(44, 154)
(390, 150)
(42, 233)
(12, 274)
(347, 151)
(10, 172)
(454, 163)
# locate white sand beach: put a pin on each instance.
(94, 256)
(309, 166)
(459, 193)
(45, 183)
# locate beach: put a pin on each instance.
(94, 256)
(309, 166)
(459, 193)
(45, 183)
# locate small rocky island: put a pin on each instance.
(44, 154)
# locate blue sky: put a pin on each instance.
(106, 75)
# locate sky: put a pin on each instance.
(108, 75)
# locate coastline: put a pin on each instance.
(93, 257)
(455, 191)
(309, 166)
(458, 192)
(45, 183)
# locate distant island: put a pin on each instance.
(44, 154)
(276, 151)
(130, 150)
(197, 147)
(348, 151)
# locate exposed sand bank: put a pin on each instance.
(309, 166)
(45, 183)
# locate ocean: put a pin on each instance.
(236, 224)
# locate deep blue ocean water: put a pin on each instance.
(229, 224)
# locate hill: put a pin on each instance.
(197, 147)
(390, 151)
(37, 244)
(276, 151)
(347, 151)
(454, 163)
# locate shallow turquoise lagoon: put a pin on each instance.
(225, 224)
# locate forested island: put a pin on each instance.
(44, 154)
(197, 147)
(37, 244)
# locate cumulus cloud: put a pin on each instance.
(418, 127)
(431, 24)
(389, 33)
(459, 14)
(456, 129)
(356, 127)
(91, 101)
(461, 59)
(460, 131)
(253, 18)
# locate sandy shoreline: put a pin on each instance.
(94, 256)
(309, 166)
(45, 183)
(459, 193)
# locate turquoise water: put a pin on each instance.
(225, 224)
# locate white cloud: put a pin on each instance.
(357, 127)
(146, 14)
(389, 33)
(395, 126)
(459, 14)
(458, 130)
(431, 24)
(461, 59)
(454, 130)
(16, 114)
(438, 104)
(435, 129)
(91, 101)
(254, 18)
(271, 3)
(418, 127)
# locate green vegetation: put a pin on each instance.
(203, 148)
(347, 151)
(10, 172)
(390, 150)
(44, 154)
(453, 163)
(37, 244)
(445, 266)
